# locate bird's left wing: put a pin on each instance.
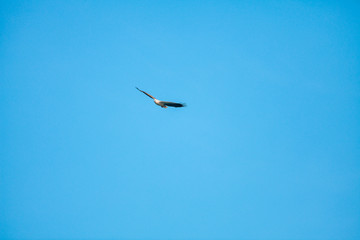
(146, 93)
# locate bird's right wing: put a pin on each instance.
(146, 93)
(173, 104)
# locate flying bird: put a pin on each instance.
(163, 104)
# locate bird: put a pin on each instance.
(163, 104)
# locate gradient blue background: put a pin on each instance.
(268, 147)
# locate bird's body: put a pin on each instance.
(163, 104)
(160, 103)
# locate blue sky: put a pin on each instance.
(267, 148)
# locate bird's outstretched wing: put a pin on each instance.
(172, 104)
(146, 93)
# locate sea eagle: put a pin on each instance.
(163, 104)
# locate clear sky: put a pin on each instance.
(267, 148)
